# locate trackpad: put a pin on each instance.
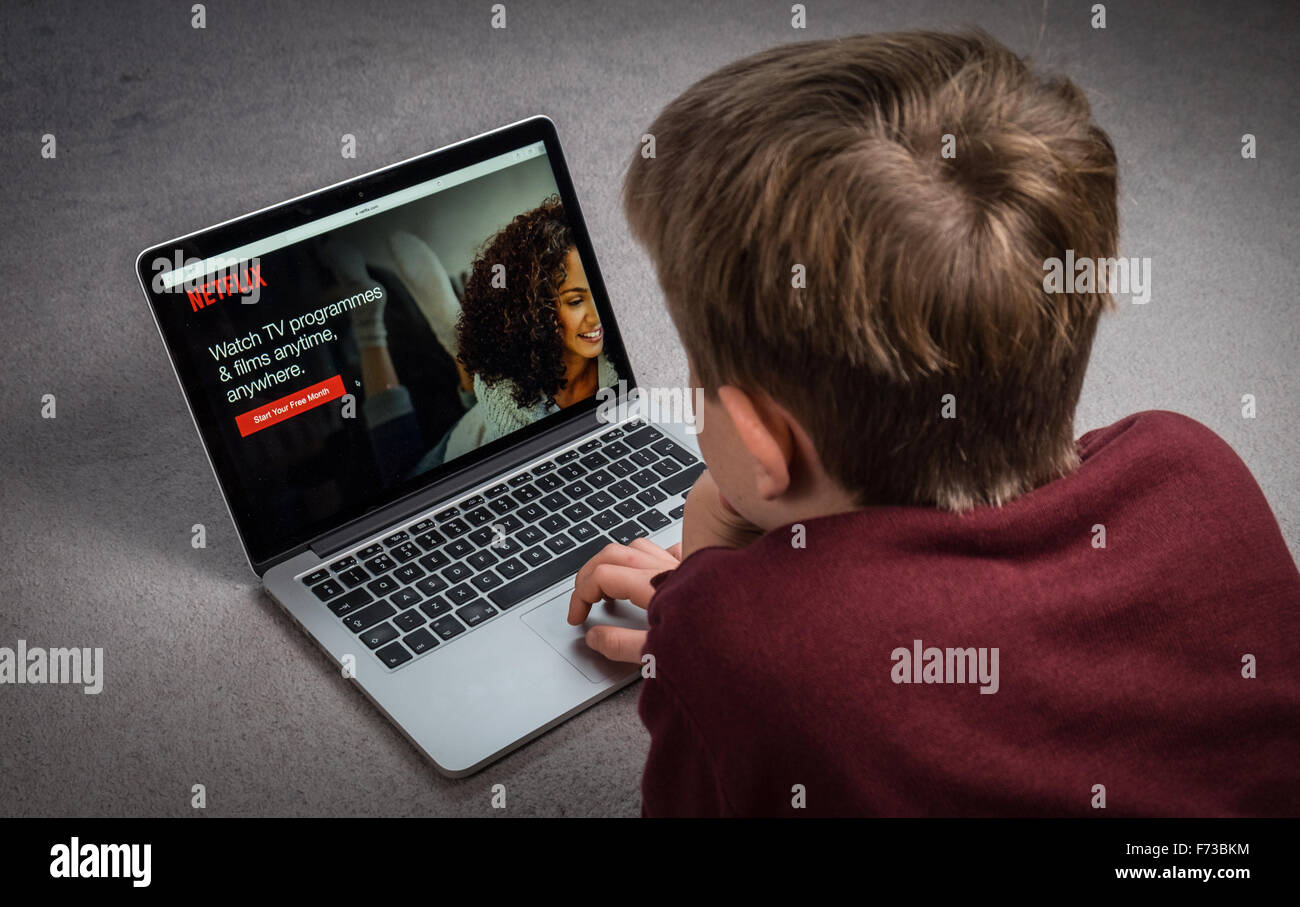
(550, 621)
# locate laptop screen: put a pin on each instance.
(344, 361)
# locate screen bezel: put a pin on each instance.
(263, 553)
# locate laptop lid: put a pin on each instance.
(354, 347)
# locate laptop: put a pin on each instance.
(374, 372)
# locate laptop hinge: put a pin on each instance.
(451, 487)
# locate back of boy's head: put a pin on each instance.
(918, 182)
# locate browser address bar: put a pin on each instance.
(195, 269)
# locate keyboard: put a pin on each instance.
(450, 571)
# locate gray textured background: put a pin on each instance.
(162, 129)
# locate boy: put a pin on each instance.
(903, 587)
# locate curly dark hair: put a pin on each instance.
(512, 333)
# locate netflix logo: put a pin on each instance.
(245, 281)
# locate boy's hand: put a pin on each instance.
(619, 571)
(709, 519)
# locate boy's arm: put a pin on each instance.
(680, 776)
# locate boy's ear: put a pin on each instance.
(763, 428)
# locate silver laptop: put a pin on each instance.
(415, 399)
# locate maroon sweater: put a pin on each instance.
(1121, 666)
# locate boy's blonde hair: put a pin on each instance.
(924, 272)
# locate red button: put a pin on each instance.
(287, 407)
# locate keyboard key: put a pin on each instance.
(559, 543)
(406, 551)
(396, 539)
(511, 567)
(344, 564)
(425, 525)
(479, 516)
(420, 641)
(554, 501)
(481, 560)
(447, 627)
(381, 564)
(536, 555)
(570, 472)
(327, 590)
(643, 457)
(509, 523)
(455, 528)
(456, 572)
(599, 479)
(616, 450)
(496, 490)
(531, 535)
(504, 505)
(651, 496)
(600, 500)
(430, 540)
(668, 448)
(557, 569)
(588, 447)
(474, 614)
(582, 532)
(312, 579)
(553, 524)
(404, 598)
(447, 514)
(436, 606)
(645, 478)
(612, 435)
(678, 512)
(353, 601)
(382, 586)
(431, 584)
(458, 595)
(459, 548)
(485, 581)
(434, 561)
(578, 490)
(369, 552)
(667, 467)
(621, 468)
(567, 456)
(682, 481)
(354, 577)
(577, 511)
(629, 508)
(622, 489)
(394, 655)
(654, 520)
(481, 537)
(407, 574)
(549, 483)
(360, 621)
(378, 635)
(527, 493)
(544, 467)
(627, 532)
(409, 620)
(505, 547)
(471, 502)
(520, 479)
(607, 520)
(532, 513)
(642, 437)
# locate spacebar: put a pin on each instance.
(549, 573)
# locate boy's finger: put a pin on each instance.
(619, 555)
(609, 581)
(617, 643)
(657, 554)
